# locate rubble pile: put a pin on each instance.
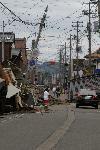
(15, 96)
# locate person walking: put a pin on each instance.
(58, 91)
(54, 91)
(46, 98)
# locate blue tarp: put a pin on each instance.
(97, 71)
(32, 62)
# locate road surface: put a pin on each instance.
(84, 132)
(64, 127)
(28, 130)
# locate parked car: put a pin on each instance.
(87, 97)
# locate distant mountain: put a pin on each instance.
(50, 68)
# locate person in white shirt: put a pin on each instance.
(54, 91)
(46, 97)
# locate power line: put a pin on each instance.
(17, 18)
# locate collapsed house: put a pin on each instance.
(15, 95)
(8, 90)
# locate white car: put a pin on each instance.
(87, 97)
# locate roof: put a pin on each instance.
(20, 39)
(7, 33)
(94, 55)
(8, 36)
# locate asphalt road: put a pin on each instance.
(29, 130)
(84, 132)
(63, 128)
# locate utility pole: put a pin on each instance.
(70, 68)
(98, 5)
(89, 13)
(65, 62)
(99, 13)
(65, 54)
(77, 44)
(35, 42)
(70, 73)
(60, 65)
(3, 41)
(89, 35)
(42, 24)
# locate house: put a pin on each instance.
(95, 57)
(76, 68)
(9, 39)
(19, 55)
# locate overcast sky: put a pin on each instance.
(60, 15)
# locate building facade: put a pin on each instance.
(18, 53)
(9, 39)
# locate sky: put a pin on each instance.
(60, 15)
